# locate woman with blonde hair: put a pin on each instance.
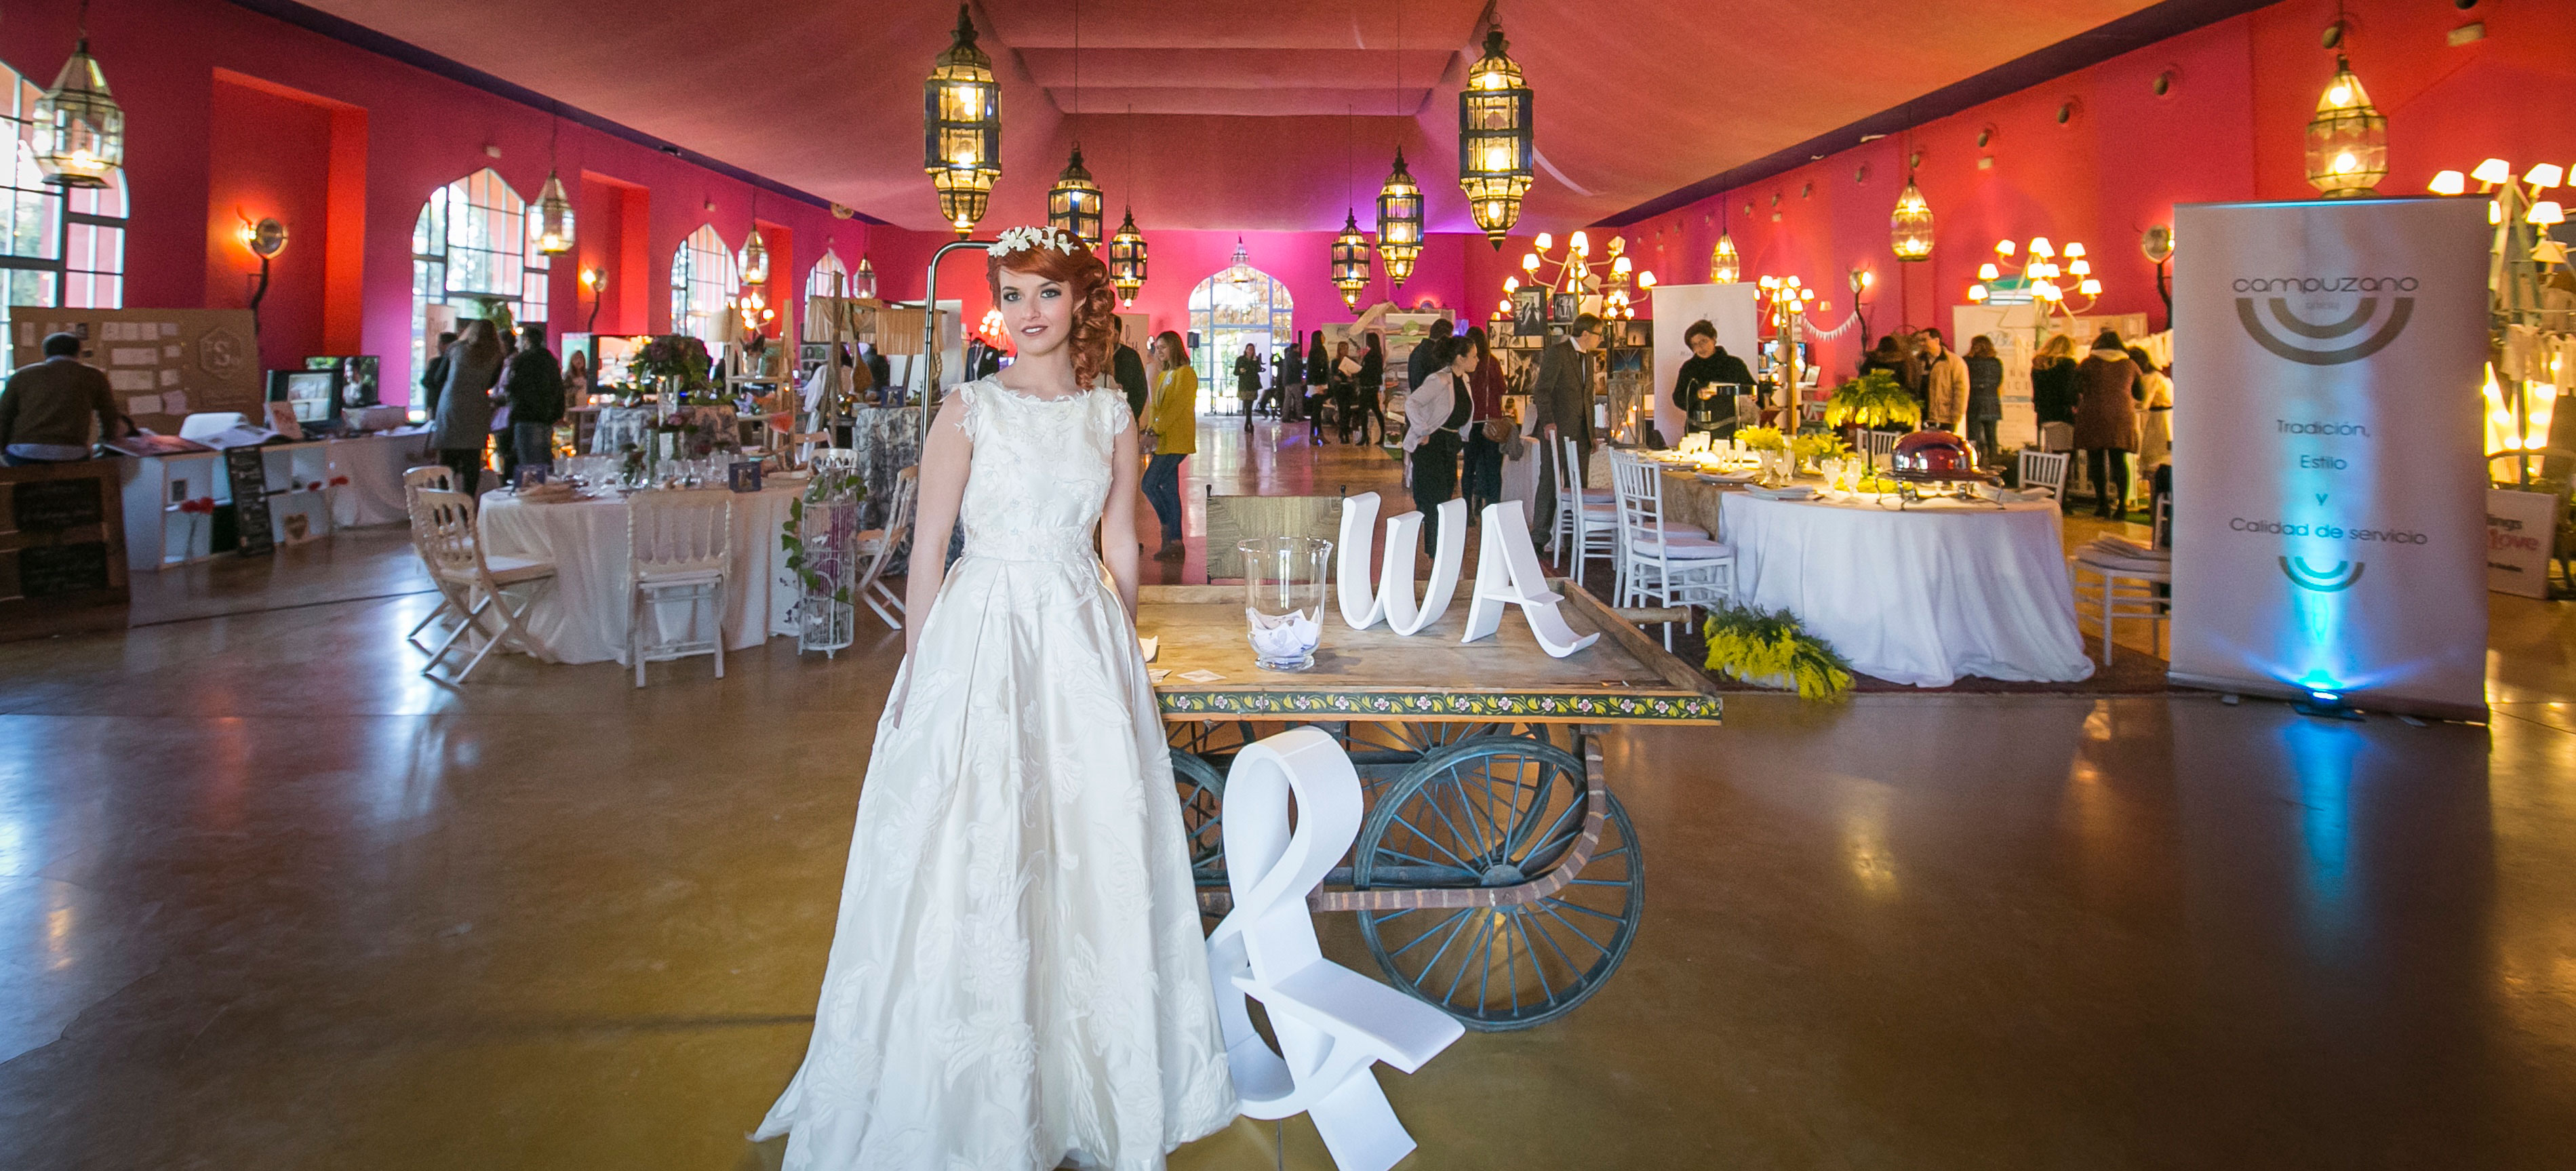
(1173, 416)
(2053, 393)
(1017, 978)
(461, 423)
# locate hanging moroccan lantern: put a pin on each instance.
(755, 260)
(863, 283)
(1350, 261)
(76, 132)
(1494, 148)
(2348, 139)
(1909, 230)
(1073, 204)
(1724, 266)
(1399, 222)
(1127, 260)
(554, 217)
(962, 129)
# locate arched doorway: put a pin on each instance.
(1237, 307)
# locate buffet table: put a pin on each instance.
(374, 466)
(582, 617)
(1918, 595)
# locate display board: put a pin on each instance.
(1731, 308)
(162, 364)
(2017, 334)
(2329, 525)
(2522, 529)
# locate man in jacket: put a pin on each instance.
(1562, 397)
(1946, 385)
(1288, 379)
(1127, 367)
(46, 407)
(533, 383)
(1426, 357)
(433, 377)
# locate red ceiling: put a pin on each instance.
(1244, 116)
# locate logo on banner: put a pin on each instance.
(2324, 581)
(2287, 334)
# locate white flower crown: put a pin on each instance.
(1024, 239)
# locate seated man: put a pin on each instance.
(46, 407)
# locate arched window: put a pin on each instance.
(827, 278)
(704, 275)
(58, 247)
(1237, 307)
(474, 241)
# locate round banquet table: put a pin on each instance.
(582, 617)
(1921, 595)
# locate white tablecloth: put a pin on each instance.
(374, 465)
(1920, 596)
(581, 618)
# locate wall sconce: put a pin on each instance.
(595, 280)
(265, 239)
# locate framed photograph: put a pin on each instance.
(744, 476)
(1563, 308)
(1529, 314)
(1637, 333)
(1627, 361)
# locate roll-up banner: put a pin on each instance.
(2329, 523)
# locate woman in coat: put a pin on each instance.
(1346, 402)
(1434, 415)
(1247, 382)
(2052, 391)
(2155, 418)
(1985, 396)
(2106, 421)
(1319, 387)
(463, 421)
(1173, 416)
(1369, 386)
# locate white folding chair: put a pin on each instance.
(1589, 516)
(454, 551)
(437, 478)
(2121, 588)
(1661, 562)
(2044, 469)
(1880, 446)
(1811, 411)
(878, 546)
(680, 547)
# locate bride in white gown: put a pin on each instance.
(1017, 979)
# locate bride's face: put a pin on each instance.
(1036, 312)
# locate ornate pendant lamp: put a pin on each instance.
(755, 251)
(76, 133)
(554, 211)
(1909, 229)
(1073, 204)
(863, 283)
(962, 129)
(1399, 222)
(1127, 260)
(2348, 138)
(1724, 266)
(1351, 261)
(1494, 149)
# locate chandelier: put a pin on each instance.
(1494, 148)
(1724, 266)
(962, 129)
(1606, 289)
(1073, 204)
(1909, 229)
(2041, 280)
(1399, 222)
(76, 133)
(1127, 260)
(1350, 261)
(2348, 138)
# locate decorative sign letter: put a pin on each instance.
(1395, 587)
(1507, 574)
(1351, 577)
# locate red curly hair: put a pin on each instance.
(1095, 311)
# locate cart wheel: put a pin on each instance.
(1499, 811)
(1202, 793)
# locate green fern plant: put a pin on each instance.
(1759, 646)
(1873, 400)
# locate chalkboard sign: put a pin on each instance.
(247, 469)
(52, 571)
(48, 506)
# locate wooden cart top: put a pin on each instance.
(1376, 674)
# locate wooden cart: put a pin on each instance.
(1496, 876)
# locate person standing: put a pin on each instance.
(1562, 397)
(881, 375)
(576, 380)
(1985, 396)
(1346, 400)
(462, 421)
(1425, 360)
(1480, 478)
(46, 407)
(1708, 381)
(1434, 414)
(1887, 356)
(1319, 387)
(534, 388)
(433, 375)
(1175, 415)
(1945, 377)
(1247, 382)
(1128, 368)
(2052, 393)
(2155, 413)
(2106, 421)
(1287, 380)
(1370, 386)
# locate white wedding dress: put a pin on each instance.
(1017, 978)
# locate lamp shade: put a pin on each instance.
(1127, 260)
(1073, 204)
(961, 123)
(1399, 222)
(2348, 138)
(1350, 261)
(1724, 266)
(1909, 228)
(554, 217)
(76, 133)
(1494, 147)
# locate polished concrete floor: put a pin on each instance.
(268, 898)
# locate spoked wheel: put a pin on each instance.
(1499, 811)
(1202, 793)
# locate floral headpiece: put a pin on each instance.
(1029, 238)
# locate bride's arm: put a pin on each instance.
(1118, 520)
(945, 456)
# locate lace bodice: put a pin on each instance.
(1040, 473)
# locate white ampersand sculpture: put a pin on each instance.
(1332, 1023)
